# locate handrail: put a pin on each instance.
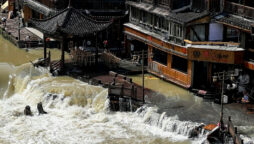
(233, 132)
(211, 43)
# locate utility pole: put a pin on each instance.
(222, 76)
(222, 96)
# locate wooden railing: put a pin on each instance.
(239, 9)
(56, 66)
(233, 132)
(211, 43)
(121, 91)
(109, 59)
(83, 58)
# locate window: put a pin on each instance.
(179, 63)
(156, 21)
(233, 34)
(163, 2)
(160, 22)
(135, 13)
(160, 56)
(149, 18)
(144, 16)
(180, 3)
(165, 25)
(199, 34)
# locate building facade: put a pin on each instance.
(188, 40)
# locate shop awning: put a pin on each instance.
(216, 54)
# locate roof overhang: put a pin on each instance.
(235, 22)
(39, 7)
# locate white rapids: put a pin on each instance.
(78, 113)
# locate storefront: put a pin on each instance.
(165, 60)
(210, 59)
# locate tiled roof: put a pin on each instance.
(39, 7)
(186, 17)
(70, 21)
(105, 14)
(235, 21)
(180, 17)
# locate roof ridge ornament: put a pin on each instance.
(69, 5)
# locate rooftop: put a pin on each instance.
(235, 20)
(182, 17)
(70, 21)
(39, 7)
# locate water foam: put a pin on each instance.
(78, 113)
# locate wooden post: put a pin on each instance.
(143, 81)
(62, 55)
(45, 47)
(132, 91)
(229, 120)
(122, 89)
(135, 93)
(19, 21)
(49, 58)
(96, 52)
(109, 89)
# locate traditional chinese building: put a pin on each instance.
(237, 21)
(70, 26)
(100, 10)
(185, 40)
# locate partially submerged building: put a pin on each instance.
(70, 26)
(100, 10)
(189, 40)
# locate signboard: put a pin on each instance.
(217, 56)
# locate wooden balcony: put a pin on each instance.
(239, 9)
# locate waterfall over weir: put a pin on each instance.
(78, 113)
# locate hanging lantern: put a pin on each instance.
(215, 78)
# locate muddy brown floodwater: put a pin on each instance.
(78, 112)
(175, 100)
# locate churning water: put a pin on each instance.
(77, 113)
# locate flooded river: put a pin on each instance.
(176, 101)
(78, 112)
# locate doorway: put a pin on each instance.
(200, 75)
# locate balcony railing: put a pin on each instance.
(239, 9)
(211, 43)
